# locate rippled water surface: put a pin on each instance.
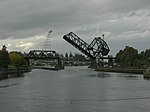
(75, 89)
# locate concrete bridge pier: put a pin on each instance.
(59, 65)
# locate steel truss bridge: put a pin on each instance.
(44, 55)
(96, 50)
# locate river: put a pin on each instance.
(75, 89)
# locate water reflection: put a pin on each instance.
(130, 76)
(148, 79)
(8, 85)
(104, 75)
(101, 75)
(6, 76)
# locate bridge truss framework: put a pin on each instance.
(96, 50)
(44, 55)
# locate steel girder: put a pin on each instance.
(42, 54)
(98, 47)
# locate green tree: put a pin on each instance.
(145, 58)
(16, 59)
(127, 57)
(4, 57)
(137, 63)
(66, 55)
(70, 56)
(147, 53)
(79, 57)
(119, 57)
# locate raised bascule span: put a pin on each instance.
(97, 48)
(80, 44)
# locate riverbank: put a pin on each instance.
(13, 72)
(55, 68)
(122, 70)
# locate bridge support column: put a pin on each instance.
(28, 61)
(59, 65)
(93, 64)
(110, 62)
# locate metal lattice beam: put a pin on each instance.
(79, 44)
(42, 54)
(97, 47)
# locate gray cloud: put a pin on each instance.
(128, 5)
(123, 22)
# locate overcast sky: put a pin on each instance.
(24, 24)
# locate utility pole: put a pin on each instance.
(102, 55)
(103, 36)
